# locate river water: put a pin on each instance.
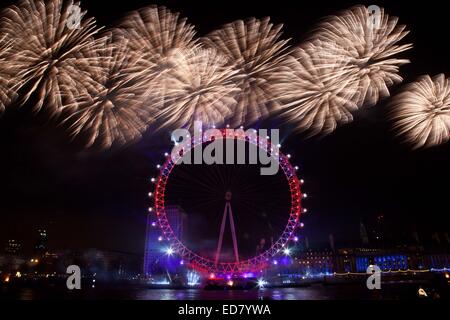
(397, 291)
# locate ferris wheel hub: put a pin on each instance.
(228, 195)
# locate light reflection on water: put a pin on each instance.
(310, 293)
(314, 292)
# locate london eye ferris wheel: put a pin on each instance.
(238, 220)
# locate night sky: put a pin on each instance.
(91, 199)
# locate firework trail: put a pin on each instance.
(6, 93)
(44, 47)
(201, 87)
(421, 112)
(370, 44)
(316, 88)
(254, 49)
(110, 107)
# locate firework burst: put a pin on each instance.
(156, 32)
(254, 49)
(201, 87)
(421, 112)
(44, 47)
(158, 35)
(316, 88)
(109, 108)
(370, 43)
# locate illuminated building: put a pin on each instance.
(13, 247)
(359, 259)
(438, 260)
(157, 257)
(152, 245)
(384, 262)
(315, 262)
(301, 265)
(41, 246)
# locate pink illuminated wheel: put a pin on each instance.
(206, 264)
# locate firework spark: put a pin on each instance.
(316, 88)
(44, 48)
(370, 46)
(201, 87)
(110, 107)
(421, 112)
(254, 49)
(5, 78)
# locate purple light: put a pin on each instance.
(181, 262)
(275, 262)
(153, 224)
(296, 239)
